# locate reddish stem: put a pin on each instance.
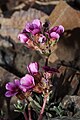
(25, 116)
(46, 62)
(29, 112)
(43, 107)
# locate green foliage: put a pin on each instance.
(20, 106)
(51, 109)
(58, 109)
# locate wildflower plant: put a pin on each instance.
(35, 88)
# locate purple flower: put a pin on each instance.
(27, 83)
(23, 37)
(42, 39)
(54, 35)
(34, 27)
(33, 68)
(58, 29)
(13, 88)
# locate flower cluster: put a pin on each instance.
(41, 37)
(34, 81)
(25, 84)
(33, 35)
(36, 33)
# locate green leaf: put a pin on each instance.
(38, 98)
(20, 106)
(35, 105)
(35, 108)
(2, 113)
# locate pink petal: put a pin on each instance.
(27, 80)
(27, 26)
(60, 29)
(33, 68)
(26, 88)
(17, 82)
(10, 86)
(23, 88)
(37, 22)
(54, 35)
(35, 31)
(54, 29)
(22, 37)
(10, 94)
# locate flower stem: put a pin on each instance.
(29, 112)
(25, 115)
(46, 62)
(43, 107)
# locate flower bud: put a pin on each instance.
(54, 35)
(33, 68)
(23, 37)
(58, 29)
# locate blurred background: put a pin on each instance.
(14, 56)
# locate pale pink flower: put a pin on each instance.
(27, 83)
(54, 35)
(34, 27)
(56, 31)
(33, 68)
(23, 37)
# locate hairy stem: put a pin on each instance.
(43, 107)
(25, 115)
(29, 112)
(46, 62)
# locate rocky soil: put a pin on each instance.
(14, 56)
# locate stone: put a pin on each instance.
(9, 31)
(1, 15)
(72, 104)
(62, 13)
(68, 99)
(78, 93)
(77, 2)
(24, 56)
(11, 5)
(63, 118)
(5, 42)
(45, 6)
(15, 57)
(19, 18)
(68, 46)
(12, 26)
(66, 82)
(6, 52)
(77, 115)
